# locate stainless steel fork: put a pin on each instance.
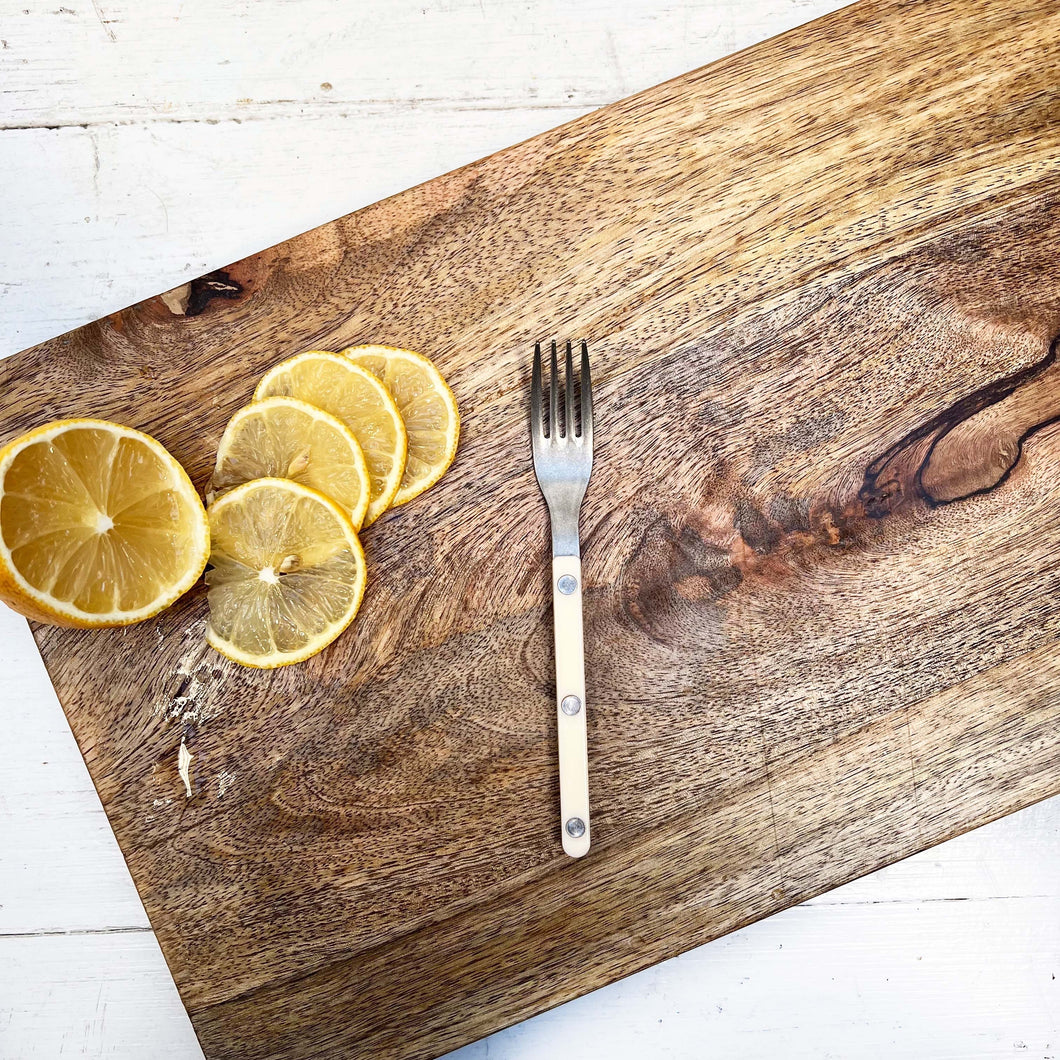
(563, 460)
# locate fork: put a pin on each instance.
(563, 460)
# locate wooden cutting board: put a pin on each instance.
(821, 281)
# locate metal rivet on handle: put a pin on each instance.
(570, 705)
(567, 584)
(575, 828)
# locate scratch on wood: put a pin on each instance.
(95, 166)
(74, 932)
(104, 22)
(769, 784)
(162, 203)
(353, 110)
(912, 763)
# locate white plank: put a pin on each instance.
(60, 867)
(91, 996)
(193, 60)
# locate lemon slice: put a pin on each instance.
(427, 406)
(281, 437)
(99, 525)
(355, 397)
(287, 573)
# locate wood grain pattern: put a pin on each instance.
(821, 284)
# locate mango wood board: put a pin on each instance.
(821, 282)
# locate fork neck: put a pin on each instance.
(565, 540)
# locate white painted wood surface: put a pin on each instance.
(142, 144)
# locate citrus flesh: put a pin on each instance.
(281, 437)
(356, 398)
(99, 525)
(287, 572)
(428, 410)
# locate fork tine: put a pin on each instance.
(587, 397)
(568, 422)
(536, 429)
(553, 398)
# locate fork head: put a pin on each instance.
(562, 433)
(568, 430)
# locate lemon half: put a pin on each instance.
(99, 525)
